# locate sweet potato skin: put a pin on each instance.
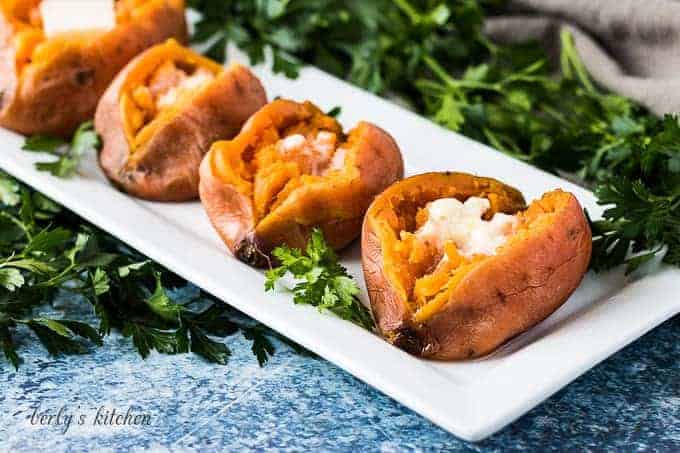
(166, 167)
(500, 298)
(56, 96)
(337, 208)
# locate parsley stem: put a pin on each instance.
(571, 60)
(457, 83)
(59, 278)
(18, 223)
(409, 10)
(438, 70)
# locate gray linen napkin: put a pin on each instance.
(631, 47)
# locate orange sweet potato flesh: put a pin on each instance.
(50, 86)
(258, 197)
(153, 150)
(470, 306)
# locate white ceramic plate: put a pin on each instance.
(470, 399)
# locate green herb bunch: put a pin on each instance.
(320, 280)
(49, 254)
(433, 55)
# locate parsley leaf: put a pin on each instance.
(100, 282)
(147, 339)
(11, 278)
(9, 191)
(335, 111)
(69, 155)
(160, 303)
(212, 350)
(43, 143)
(262, 347)
(8, 346)
(56, 336)
(320, 280)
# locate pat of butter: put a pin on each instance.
(450, 220)
(63, 16)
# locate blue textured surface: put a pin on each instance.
(629, 402)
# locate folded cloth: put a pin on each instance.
(631, 47)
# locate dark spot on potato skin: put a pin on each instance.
(84, 76)
(501, 296)
(573, 233)
(407, 339)
(2, 99)
(415, 342)
(251, 253)
(238, 86)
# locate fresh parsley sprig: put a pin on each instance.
(320, 280)
(69, 154)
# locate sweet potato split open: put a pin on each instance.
(162, 113)
(50, 82)
(283, 158)
(159, 89)
(427, 276)
(436, 301)
(414, 268)
(292, 169)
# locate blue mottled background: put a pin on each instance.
(629, 402)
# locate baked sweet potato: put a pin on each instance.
(290, 169)
(445, 283)
(162, 113)
(51, 85)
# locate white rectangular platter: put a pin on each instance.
(470, 399)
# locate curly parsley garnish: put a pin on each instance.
(320, 280)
